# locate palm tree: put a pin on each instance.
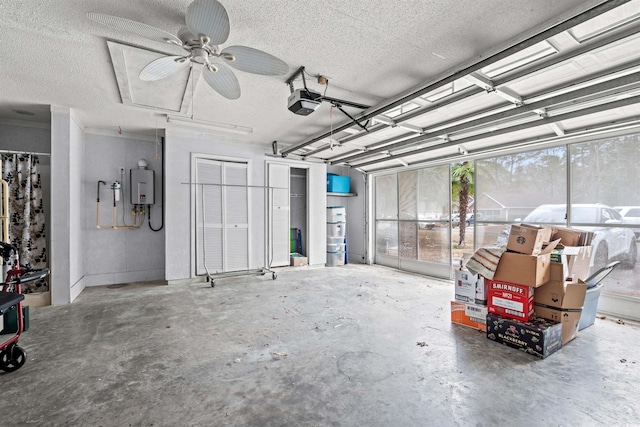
(462, 185)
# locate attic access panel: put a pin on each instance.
(172, 94)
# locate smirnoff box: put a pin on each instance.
(510, 300)
(538, 336)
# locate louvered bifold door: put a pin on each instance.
(209, 218)
(236, 217)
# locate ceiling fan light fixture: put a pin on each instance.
(207, 27)
(228, 56)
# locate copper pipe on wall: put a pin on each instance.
(137, 221)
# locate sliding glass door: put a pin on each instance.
(411, 223)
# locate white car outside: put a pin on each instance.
(630, 215)
(610, 243)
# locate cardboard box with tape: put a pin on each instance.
(562, 302)
(528, 239)
(529, 270)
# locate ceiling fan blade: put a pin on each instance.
(134, 27)
(254, 61)
(209, 18)
(163, 67)
(222, 81)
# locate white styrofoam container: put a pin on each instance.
(336, 214)
(335, 258)
(337, 229)
(336, 247)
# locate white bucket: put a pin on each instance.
(588, 316)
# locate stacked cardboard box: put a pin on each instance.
(470, 305)
(538, 336)
(537, 290)
(297, 259)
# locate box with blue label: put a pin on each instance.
(338, 183)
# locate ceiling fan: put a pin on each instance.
(207, 26)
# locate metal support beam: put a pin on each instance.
(480, 81)
(529, 143)
(509, 114)
(509, 95)
(515, 128)
(557, 128)
(465, 70)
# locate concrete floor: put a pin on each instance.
(316, 347)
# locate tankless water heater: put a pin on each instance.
(142, 187)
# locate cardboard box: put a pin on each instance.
(567, 236)
(510, 300)
(563, 295)
(574, 260)
(465, 284)
(528, 239)
(482, 290)
(298, 260)
(538, 337)
(571, 237)
(37, 299)
(470, 287)
(529, 270)
(471, 315)
(570, 320)
(562, 302)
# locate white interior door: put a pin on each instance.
(222, 216)
(236, 215)
(278, 181)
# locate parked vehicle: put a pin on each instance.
(455, 219)
(631, 215)
(610, 243)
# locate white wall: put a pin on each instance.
(76, 214)
(178, 240)
(64, 258)
(24, 136)
(119, 256)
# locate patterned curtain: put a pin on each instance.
(26, 213)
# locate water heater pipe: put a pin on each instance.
(138, 214)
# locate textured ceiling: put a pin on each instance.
(51, 53)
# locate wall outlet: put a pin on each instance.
(121, 170)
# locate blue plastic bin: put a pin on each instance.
(338, 183)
